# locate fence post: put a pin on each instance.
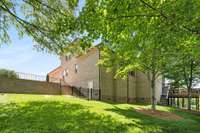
(91, 93)
(183, 102)
(178, 102)
(99, 95)
(171, 101)
(168, 101)
(88, 93)
(197, 103)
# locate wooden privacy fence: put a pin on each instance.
(179, 98)
(22, 86)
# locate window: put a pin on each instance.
(76, 68)
(65, 73)
(68, 57)
(132, 73)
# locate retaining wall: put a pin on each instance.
(20, 86)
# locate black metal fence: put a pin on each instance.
(87, 93)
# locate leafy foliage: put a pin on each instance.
(50, 23)
(8, 74)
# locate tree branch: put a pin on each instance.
(53, 9)
(18, 19)
(155, 9)
(135, 15)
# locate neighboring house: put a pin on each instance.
(82, 71)
(56, 75)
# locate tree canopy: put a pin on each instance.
(8, 74)
(50, 23)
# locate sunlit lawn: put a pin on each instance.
(62, 114)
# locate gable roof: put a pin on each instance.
(55, 71)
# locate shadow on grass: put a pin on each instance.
(155, 125)
(54, 117)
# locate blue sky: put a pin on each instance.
(20, 56)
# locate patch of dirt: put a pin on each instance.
(160, 114)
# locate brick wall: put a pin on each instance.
(28, 87)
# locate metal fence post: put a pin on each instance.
(88, 91)
(99, 95)
(91, 93)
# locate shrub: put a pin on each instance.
(8, 74)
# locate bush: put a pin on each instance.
(8, 74)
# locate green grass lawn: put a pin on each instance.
(61, 114)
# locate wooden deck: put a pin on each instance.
(179, 97)
(183, 93)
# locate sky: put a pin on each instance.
(20, 56)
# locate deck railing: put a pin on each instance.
(183, 93)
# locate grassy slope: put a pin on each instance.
(57, 114)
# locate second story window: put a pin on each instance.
(68, 57)
(76, 68)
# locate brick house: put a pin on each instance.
(82, 71)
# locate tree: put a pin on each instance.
(184, 68)
(50, 23)
(8, 74)
(141, 34)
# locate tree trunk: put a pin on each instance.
(153, 89)
(190, 85)
(189, 98)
